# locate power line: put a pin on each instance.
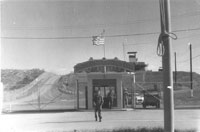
(136, 34)
(45, 37)
(185, 30)
(195, 57)
(147, 43)
(151, 42)
(189, 59)
(109, 36)
(193, 36)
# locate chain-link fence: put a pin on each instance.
(148, 86)
(40, 97)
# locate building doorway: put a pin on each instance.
(106, 86)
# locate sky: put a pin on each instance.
(56, 35)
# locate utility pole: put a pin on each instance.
(167, 70)
(191, 80)
(175, 74)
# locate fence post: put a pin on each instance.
(77, 87)
(1, 96)
(38, 93)
(133, 91)
(86, 97)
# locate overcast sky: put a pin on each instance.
(86, 18)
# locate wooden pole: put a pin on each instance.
(167, 71)
(175, 73)
(191, 79)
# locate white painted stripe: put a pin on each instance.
(170, 87)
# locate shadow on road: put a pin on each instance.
(39, 111)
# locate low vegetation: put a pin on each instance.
(15, 79)
(143, 129)
(66, 83)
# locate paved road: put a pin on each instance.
(68, 121)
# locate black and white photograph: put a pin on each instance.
(100, 65)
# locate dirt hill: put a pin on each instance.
(15, 79)
(44, 91)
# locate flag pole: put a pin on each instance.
(99, 40)
(104, 51)
(104, 48)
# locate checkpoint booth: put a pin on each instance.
(104, 75)
(105, 83)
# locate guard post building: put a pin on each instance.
(105, 75)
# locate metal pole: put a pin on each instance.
(1, 97)
(77, 87)
(104, 50)
(124, 51)
(39, 98)
(191, 80)
(122, 95)
(102, 35)
(175, 74)
(86, 97)
(167, 73)
(38, 94)
(133, 91)
(131, 95)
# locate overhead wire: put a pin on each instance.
(145, 43)
(152, 42)
(184, 30)
(189, 59)
(108, 36)
(85, 37)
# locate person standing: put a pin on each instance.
(125, 97)
(110, 98)
(98, 102)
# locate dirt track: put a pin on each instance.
(184, 119)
